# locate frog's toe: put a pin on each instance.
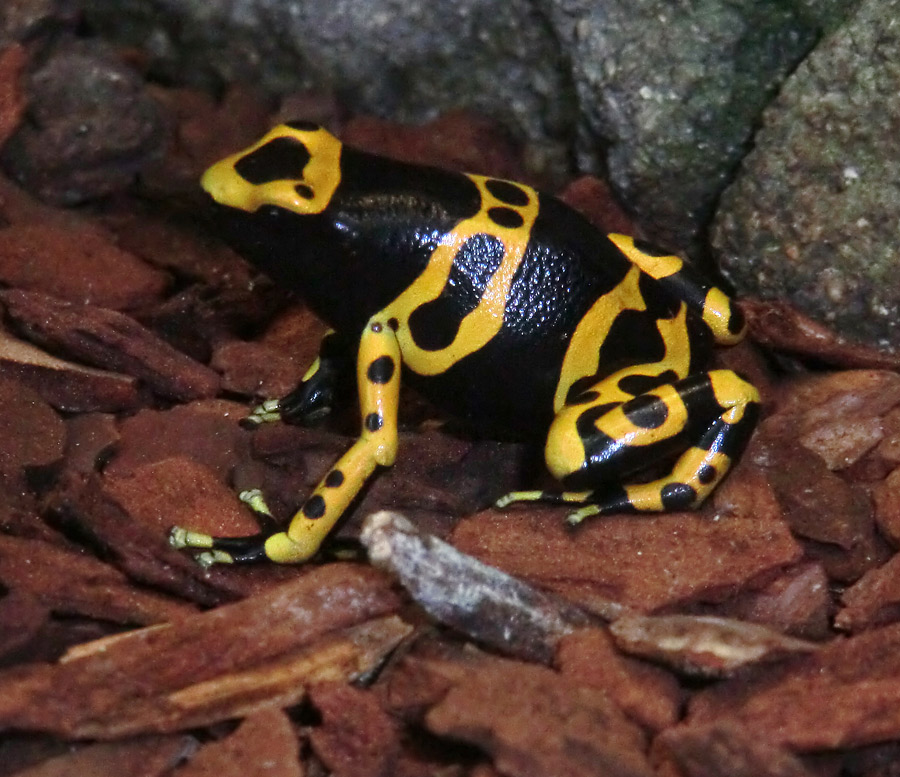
(181, 538)
(209, 557)
(518, 496)
(264, 413)
(576, 517)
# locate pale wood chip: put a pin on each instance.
(703, 646)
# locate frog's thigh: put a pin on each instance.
(597, 445)
(378, 379)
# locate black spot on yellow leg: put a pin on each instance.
(334, 478)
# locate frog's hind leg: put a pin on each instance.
(378, 378)
(595, 447)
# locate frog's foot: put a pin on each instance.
(548, 497)
(267, 544)
(591, 503)
(219, 550)
(555, 498)
(276, 547)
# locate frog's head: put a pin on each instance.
(295, 166)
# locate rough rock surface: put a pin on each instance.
(668, 96)
(91, 125)
(812, 217)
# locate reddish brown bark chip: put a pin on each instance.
(874, 599)
(180, 492)
(12, 99)
(357, 738)
(703, 646)
(71, 583)
(534, 722)
(150, 756)
(832, 515)
(797, 602)
(140, 551)
(33, 434)
(78, 262)
(174, 243)
(784, 328)
(110, 340)
(255, 370)
(647, 562)
(886, 500)
(238, 119)
(813, 403)
(264, 743)
(222, 664)
(91, 438)
(207, 431)
(845, 695)
(21, 618)
(456, 140)
(437, 471)
(594, 200)
(888, 449)
(417, 681)
(297, 334)
(647, 694)
(843, 419)
(65, 385)
(719, 750)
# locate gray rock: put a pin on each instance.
(90, 125)
(24, 19)
(813, 215)
(673, 91)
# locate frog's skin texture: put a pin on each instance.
(504, 307)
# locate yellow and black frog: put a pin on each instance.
(504, 307)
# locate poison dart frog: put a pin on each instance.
(504, 307)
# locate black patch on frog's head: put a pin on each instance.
(280, 159)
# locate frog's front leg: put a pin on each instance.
(594, 448)
(378, 381)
